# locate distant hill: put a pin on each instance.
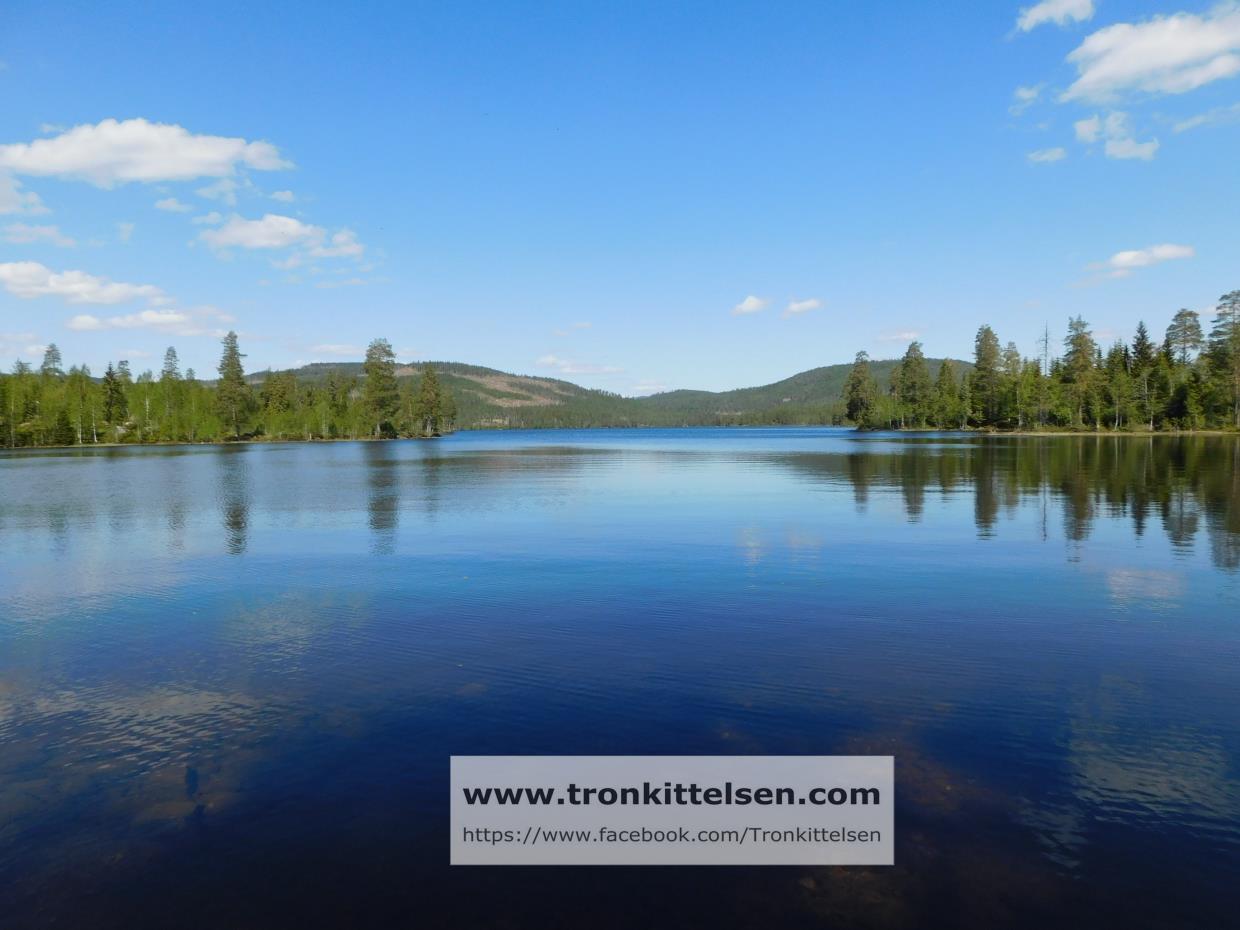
(487, 398)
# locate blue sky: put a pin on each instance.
(631, 196)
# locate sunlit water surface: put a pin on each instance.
(231, 677)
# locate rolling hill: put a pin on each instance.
(491, 399)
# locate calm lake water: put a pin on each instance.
(231, 677)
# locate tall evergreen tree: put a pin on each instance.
(115, 406)
(984, 383)
(1080, 357)
(380, 394)
(172, 366)
(428, 402)
(53, 365)
(860, 392)
(1144, 357)
(232, 394)
(913, 378)
(946, 400)
(1225, 350)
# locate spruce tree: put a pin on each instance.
(984, 383)
(1225, 350)
(232, 394)
(860, 392)
(946, 396)
(429, 400)
(915, 386)
(115, 406)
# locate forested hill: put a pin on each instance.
(487, 398)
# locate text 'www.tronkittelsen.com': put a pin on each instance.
(672, 810)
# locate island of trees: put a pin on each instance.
(1188, 382)
(54, 407)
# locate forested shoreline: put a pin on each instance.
(1190, 381)
(54, 407)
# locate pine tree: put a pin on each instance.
(428, 403)
(1144, 357)
(860, 392)
(946, 401)
(915, 388)
(1077, 372)
(232, 394)
(1184, 336)
(53, 365)
(172, 367)
(115, 406)
(380, 394)
(1225, 350)
(984, 383)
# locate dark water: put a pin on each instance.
(231, 678)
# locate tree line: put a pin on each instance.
(1190, 381)
(50, 406)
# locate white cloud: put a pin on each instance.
(284, 196)
(24, 234)
(905, 335)
(194, 322)
(1116, 131)
(1219, 116)
(1122, 264)
(288, 264)
(566, 367)
(335, 348)
(85, 322)
(172, 205)
(13, 345)
(1059, 12)
(1046, 156)
(14, 200)
(1131, 148)
(124, 231)
(343, 243)
(224, 190)
(29, 280)
(1024, 97)
(271, 232)
(750, 304)
(1088, 130)
(1163, 55)
(208, 219)
(117, 152)
(796, 307)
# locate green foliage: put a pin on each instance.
(1189, 383)
(1135, 386)
(233, 397)
(861, 393)
(380, 397)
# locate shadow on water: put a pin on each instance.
(233, 490)
(383, 497)
(1183, 481)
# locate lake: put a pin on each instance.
(231, 677)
